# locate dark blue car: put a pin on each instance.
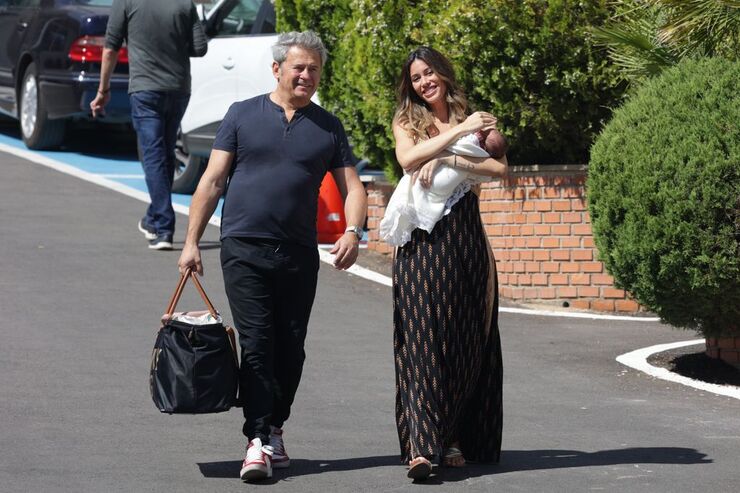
(50, 53)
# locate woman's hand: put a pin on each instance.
(426, 173)
(480, 120)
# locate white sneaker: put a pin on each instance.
(258, 462)
(280, 459)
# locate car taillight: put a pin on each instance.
(90, 49)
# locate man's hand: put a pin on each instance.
(345, 251)
(190, 257)
(97, 105)
(107, 65)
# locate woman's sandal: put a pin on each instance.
(451, 454)
(419, 468)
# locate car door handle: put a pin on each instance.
(228, 64)
(22, 26)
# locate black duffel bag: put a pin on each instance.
(194, 367)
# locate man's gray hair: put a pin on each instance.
(308, 40)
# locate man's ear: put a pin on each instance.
(276, 70)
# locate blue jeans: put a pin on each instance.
(156, 118)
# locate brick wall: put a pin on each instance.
(539, 228)
(378, 193)
(726, 349)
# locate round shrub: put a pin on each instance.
(664, 196)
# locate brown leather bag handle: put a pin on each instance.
(176, 295)
(189, 273)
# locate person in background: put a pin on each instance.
(445, 297)
(270, 156)
(161, 37)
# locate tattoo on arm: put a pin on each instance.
(462, 164)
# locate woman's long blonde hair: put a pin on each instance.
(412, 113)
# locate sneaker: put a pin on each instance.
(161, 242)
(280, 459)
(149, 232)
(258, 462)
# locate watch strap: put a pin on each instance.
(356, 230)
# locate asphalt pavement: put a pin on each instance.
(81, 296)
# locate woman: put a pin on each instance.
(446, 340)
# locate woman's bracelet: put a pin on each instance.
(104, 92)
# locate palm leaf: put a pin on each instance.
(707, 27)
(633, 45)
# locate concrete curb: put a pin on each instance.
(638, 360)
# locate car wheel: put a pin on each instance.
(188, 169)
(37, 130)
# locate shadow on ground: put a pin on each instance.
(511, 461)
(300, 467)
(697, 365)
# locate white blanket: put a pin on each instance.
(412, 206)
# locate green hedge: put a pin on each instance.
(664, 195)
(529, 62)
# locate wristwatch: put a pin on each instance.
(356, 230)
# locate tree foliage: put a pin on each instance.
(664, 195)
(531, 63)
(647, 36)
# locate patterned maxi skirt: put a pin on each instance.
(446, 340)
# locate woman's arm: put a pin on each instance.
(411, 155)
(484, 166)
(475, 165)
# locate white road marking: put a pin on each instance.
(592, 316)
(358, 270)
(638, 360)
(102, 180)
(387, 281)
(122, 176)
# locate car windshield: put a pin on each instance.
(236, 17)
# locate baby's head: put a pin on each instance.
(493, 142)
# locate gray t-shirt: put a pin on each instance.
(160, 35)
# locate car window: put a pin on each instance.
(25, 3)
(100, 3)
(94, 3)
(239, 20)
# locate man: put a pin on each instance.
(161, 36)
(273, 152)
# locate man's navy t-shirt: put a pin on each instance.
(278, 167)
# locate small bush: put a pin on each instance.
(530, 62)
(664, 195)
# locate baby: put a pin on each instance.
(493, 142)
(412, 206)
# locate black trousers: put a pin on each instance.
(271, 286)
